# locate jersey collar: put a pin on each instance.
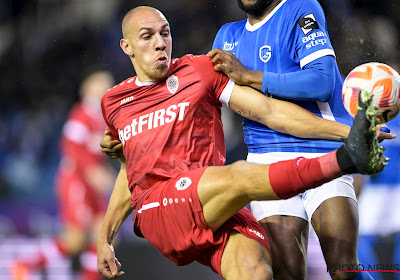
(141, 84)
(254, 27)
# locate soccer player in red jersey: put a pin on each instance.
(83, 183)
(188, 205)
(84, 178)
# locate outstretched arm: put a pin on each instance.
(284, 116)
(287, 117)
(119, 208)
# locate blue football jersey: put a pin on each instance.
(291, 36)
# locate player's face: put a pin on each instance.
(151, 44)
(254, 7)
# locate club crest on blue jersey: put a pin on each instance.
(265, 53)
(172, 83)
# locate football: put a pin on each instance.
(379, 79)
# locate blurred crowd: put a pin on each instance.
(47, 46)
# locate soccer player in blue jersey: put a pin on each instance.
(377, 228)
(283, 49)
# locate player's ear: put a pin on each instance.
(125, 47)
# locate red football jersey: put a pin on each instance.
(80, 140)
(170, 126)
(78, 200)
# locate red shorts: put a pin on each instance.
(171, 218)
(78, 202)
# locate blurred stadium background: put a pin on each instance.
(46, 46)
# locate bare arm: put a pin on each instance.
(119, 208)
(284, 116)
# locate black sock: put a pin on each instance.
(345, 162)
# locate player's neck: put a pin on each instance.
(253, 19)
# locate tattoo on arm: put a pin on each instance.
(248, 115)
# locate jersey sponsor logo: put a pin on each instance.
(315, 39)
(172, 83)
(126, 100)
(152, 120)
(257, 233)
(265, 53)
(230, 46)
(308, 23)
(183, 183)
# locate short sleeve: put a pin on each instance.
(219, 85)
(309, 37)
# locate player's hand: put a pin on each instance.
(383, 133)
(232, 67)
(112, 148)
(107, 264)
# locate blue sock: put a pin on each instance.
(363, 275)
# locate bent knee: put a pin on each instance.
(248, 178)
(239, 168)
(238, 175)
(262, 271)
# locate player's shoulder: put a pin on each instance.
(304, 7)
(302, 4)
(118, 90)
(190, 58)
(190, 63)
(193, 60)
(303, 10)
(120, 86)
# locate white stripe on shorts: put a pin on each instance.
(149, 206)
